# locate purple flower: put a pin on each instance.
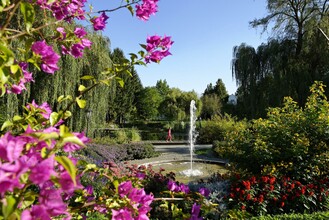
(184, 188)
(67, 184)
(44, 107)
(49, 58)
(125, 188)
(122, 214)
(146, 200)
(80, 32)
(42, 172)
(204, 191)
(157, 48)
(195, 212)
(172, 186)
(76, 50)
(37, 212)
(136, 195)
(52, 200)
(11, 147)
(99, 22)
(86, 43)
(147, 8)
(62, 33)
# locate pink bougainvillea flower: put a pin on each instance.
(157, 48)
(184, 188)
(62, 32)
(146, 200)
(48, 56)
(86, 43)
(195, 212)
(122, 214)
(146, 9)
(99, 23)
(172, 186)
(204, 191)
(37, 212)
(76, 50)
(42, 171)
(44, 107)
(52, 200)
(67, 184)
(125, 188)
(80, 32)
(11, 147)
(70, 147)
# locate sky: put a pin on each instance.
(204, 34)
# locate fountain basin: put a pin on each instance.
(202, 169)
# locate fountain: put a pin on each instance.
(192, 137)
(187, 170)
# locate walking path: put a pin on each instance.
(178, 152)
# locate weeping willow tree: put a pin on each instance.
(294, 57)
(65, 82)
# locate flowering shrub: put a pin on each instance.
(270, 195)
(39, 176)
(291, 141)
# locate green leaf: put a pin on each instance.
(6, 124)
(7, 56)
(87, 77)
(68, 166)
(17, 118)
(14, 68)
(60, 98)
(81, 102)
(28, 14)
(29, 198)
(53, 118)
(8, 209)
(67, 114)
(73, 139)
(131, 9)
(116, 185)
(143, 46)
(82, 88)
(120, 81)
(44, 152)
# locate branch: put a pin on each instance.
(323, 33)
(10, 15)
(117, 8)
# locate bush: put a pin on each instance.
(270, 195)
(292, 141)
(100, 153)
(216, 129)
(118, 136)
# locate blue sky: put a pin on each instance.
(204, 31)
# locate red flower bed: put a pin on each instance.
(271, 195)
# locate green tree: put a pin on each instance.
(124, 104)
(149, 100)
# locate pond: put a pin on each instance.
(201, 169)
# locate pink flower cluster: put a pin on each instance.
(157, 48)
(27, 77)
(65, 9)
(174, 187)
(76, 49)
(99, 23)
(48, 56)
(22, 164)
(147, 8)
(139, 201)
